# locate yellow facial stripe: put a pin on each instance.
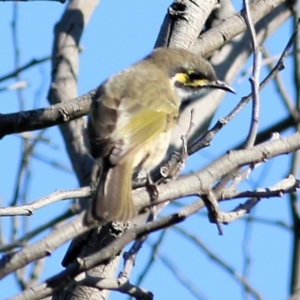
(185, 79)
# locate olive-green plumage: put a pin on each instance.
(131, 121)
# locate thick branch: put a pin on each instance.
(228, 29)
(45, 117)
(183, 23)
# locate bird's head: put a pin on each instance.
(191, 75)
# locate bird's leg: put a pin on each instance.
(152, 189)
(145, 179)
(152, 186)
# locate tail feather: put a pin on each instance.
(113, 199)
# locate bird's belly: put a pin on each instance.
(152, 153)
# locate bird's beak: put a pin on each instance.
(218, 84)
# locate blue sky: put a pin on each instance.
(118, 34)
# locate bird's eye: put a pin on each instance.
(196, 76)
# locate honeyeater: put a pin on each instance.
(131, 120)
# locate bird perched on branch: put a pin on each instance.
(131, 120)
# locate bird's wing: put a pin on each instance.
(137, 124)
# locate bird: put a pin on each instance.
(131, 120)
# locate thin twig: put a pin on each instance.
(179, 275)
(29, 235)
(254, 79)
(28, 209)
(278, 67)
(287, 101)
(28, 65)
(151, 259)
(220, 262)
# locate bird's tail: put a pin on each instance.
(113, 199)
